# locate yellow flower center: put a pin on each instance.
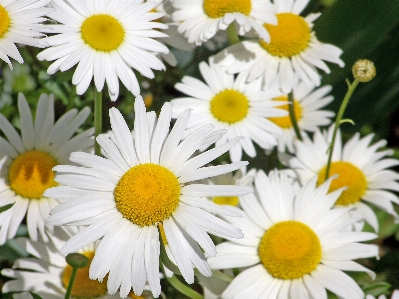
(285, 121)
(229, 106)
(147, 194)
(30, 174)
(103, 32)
(348, 175)
(289, 250)
(226, 200)
(4, 21)
(132, 295)
(83, 286)
(218, 8)
(289, 37)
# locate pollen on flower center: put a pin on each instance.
(31, 174)
(147, 194)
(289, 250)
(289, 37)
(218, 8)
(4, 21)
(226, 200)
(285, 121)
(348, 175)
(83, 286)
(229, 106)
(102, 32)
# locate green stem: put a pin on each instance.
(291, 110)
(182, 288)
(69, 290)
(338, 119)
(232, 32)
(98, 117)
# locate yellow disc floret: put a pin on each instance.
(30, 174)
(289, 250)
(102, 32)
(83, 286)
(226, 200)
(218, 8)
(4, 21)
(229, 106)
(348, 176)
(289, 37)
(147, 194)
(285, 121)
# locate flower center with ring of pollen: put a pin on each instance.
(31, 174)
(289, 250)
(102, 32)
(289, 37)
(229, 106)
(4, 21)
(348, 176)
(147, 194)
(83, 286)
(285, 121)
(218, 8)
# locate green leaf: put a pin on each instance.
(6, 207)
(377, 289)
(35, 296)
(182, 288)
(347, 120)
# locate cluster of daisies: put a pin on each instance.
(171, 197)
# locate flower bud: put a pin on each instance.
(77, 260)
(364, 70)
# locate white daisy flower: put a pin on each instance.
(307, 108)
(141, 189)
(360, 167)
(232, 104)
(106, 39)
(293, 52)
(20, 22)
(47, 273)
(201, 19)
(295, 245)
(26, 162)
(173, 39)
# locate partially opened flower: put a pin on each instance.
(200, 20)
(20, 22)
(360, 167)
(26, 162)
(296, 246)
(142, 190)
(106, 39)
(232, 104)
(293, 52)
(47, 273)
(308, 102)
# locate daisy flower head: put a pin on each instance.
(233, 104)
(142, 190)
(395, 295)
(200, 20)
(293, 53)
(106, 39)
(361, 167)
(47, 273)
(291, 250)
(20, 22)
(308, 102)
(26, 162)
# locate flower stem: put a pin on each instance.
(70, 285)
(291, 109)
(339, 121)
(182, 288)
(232, 32)
(98, 116)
